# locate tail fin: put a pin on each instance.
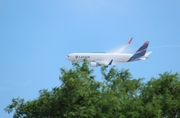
(145, 56)
(140, 52)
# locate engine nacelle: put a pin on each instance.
(94, 64)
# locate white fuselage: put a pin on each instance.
(91, 57)
(99, 59)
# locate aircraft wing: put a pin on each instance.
(119, 50)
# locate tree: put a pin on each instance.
(161, 96)
(74, 98)
(118, 95)
(123, 92)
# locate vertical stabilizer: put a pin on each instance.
(140, 52)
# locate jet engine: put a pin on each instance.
(94, 64)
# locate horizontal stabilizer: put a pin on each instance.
(148, 53)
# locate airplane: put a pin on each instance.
(116, 56)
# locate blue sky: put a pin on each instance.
(36, 35)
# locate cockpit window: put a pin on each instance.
(67, 55)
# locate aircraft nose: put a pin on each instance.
(67, 57)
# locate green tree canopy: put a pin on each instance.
(118, 95)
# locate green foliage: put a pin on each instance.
(161, 96)
(119, 95)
